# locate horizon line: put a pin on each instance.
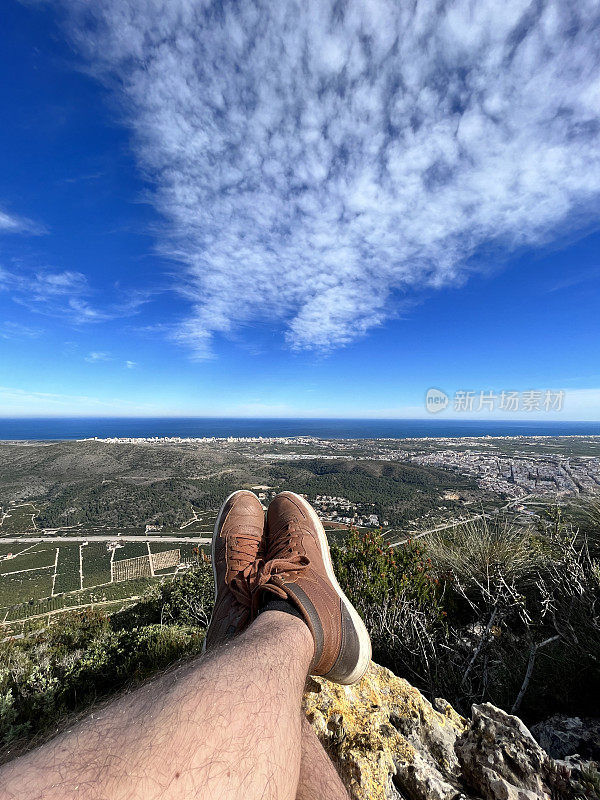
(307, 418)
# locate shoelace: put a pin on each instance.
(242, 554)
(242, 562)
(242, 586)
(285, 559)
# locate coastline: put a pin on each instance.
(198, 429)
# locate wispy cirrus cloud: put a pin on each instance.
(48, 292)
(95, 356)
(12, 223)
(16, 330)
(575, 279)
(15, 401)
(67, 294)
(314, 160)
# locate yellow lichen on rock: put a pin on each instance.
(389, 743)
(370, 729)
(353, 724)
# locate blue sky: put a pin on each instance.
(316, 209)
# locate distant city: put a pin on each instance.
(518, 476)
(510, 475)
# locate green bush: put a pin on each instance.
(465, 615)
(371, 572)
(399, 599)
(187, 599)
(482, 552)
(523, 617)
(69, 667)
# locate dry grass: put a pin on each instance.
(483, 551)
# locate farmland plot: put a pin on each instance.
(25, 586)
(26, 558)
(114, 592)
(18, 519)
(128, 568)
(165, 560)
(67, 572)
(96, 564)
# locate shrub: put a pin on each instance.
(187, 599)
(523, 626)
(76, 663)
(482, 553)
(398, 598)
(587, 517)
(491, 612)
(371, 572)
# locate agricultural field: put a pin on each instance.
(116, 595)
(46, 577)
(18, 519)
(37, 556)
(95, 562)
(7, 549)
(199, 522)
(26, 586)
(67, 569)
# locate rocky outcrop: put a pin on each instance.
(389, 742)
(384, 735)
(562, 737)
(501, 759)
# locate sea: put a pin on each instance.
(60, 428)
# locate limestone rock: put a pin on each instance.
(563, 736)
(390, 743)
(501, 758)
(386, 738)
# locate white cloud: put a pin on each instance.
(22, 402)
(314, 160)
(45, 291)
(16, 330)
(45, 284)
(131, 364)
(96, 356)
(64, 294)
(10, 223)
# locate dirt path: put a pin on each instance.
(81, 566)
(102, 538)
(30, 569)
(54, 576)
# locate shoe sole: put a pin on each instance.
(212, 546)
(364, 639)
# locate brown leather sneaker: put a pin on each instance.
(237, 544)
(299, 569)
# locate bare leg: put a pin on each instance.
(318, 777)
(226, 726)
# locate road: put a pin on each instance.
(458, 522)
(103, 538)
(454, 524)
